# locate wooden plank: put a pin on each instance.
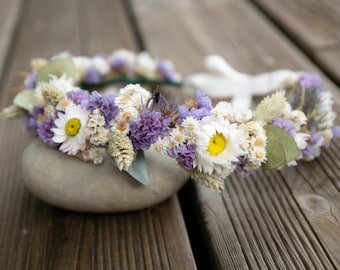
(329, 59)
(313, 24)
(9, 13)
(34, 235)
(258, 222)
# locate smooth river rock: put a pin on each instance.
(69, 183)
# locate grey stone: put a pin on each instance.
(69, 183)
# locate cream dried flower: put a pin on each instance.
(121, 150)
(212, 181)
(270, 107)
(98, 133)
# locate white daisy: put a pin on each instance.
(218, 146)
(71, 129)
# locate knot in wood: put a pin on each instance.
(314, 204)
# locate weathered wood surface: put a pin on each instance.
(34, 235)
(9, 14)
(282, 220)
(314, 25)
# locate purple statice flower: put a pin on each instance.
(93, 101)
(286, 125)
(184, 154)
(118, 63)
(335, 133)
(31, 121)
(30, 81)
(147, 128)
(335, 136)
(166, 70)
(241, 167)
(92, 76)
(78, 96)
(309, 80)
(203, 101)
(108, 107)
(201, 109)
(308, 99)
(106, 104)
(45, 133)
(309, 151)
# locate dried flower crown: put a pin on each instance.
(210, 142)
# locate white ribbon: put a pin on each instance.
(224, 81)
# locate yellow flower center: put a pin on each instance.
(259, 142)
(217, 144)
(72, 127)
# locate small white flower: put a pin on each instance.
(177, 136)
(225, 110)
(132, 95)
(101, 65)
(71, 129)
(98, 133)
(301, 140)
(146, 65)
(191, 128)
(162, 145)
(255, 141)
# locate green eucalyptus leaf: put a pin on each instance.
(11, 112)
(24, 99)
(57, 67)
(138, 169)
(281, 148)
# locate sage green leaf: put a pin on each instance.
(57, 67)
(138, 169)
(12, 111)
(24, 99)
(281, 148)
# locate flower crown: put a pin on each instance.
(210, 142)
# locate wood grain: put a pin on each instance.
(314, 25)
(270, 220)
(34, 235)
(9, 17)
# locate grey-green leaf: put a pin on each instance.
(24, 99)
(138, 170)
(57, 67)
(281, 148)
